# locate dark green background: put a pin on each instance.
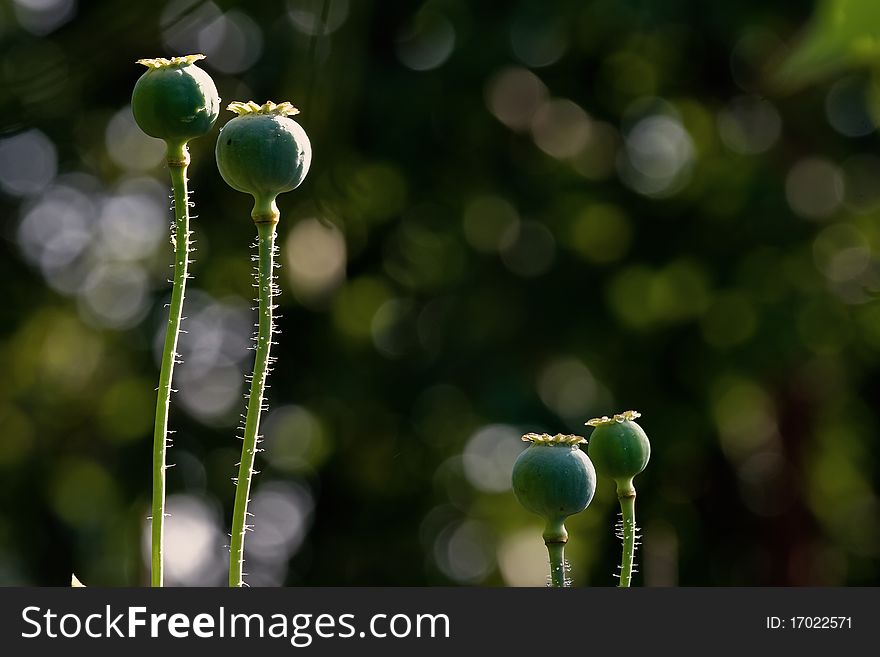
(729, 293)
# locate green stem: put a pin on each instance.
(178, 168)
(555, 538)
(266, 232)
(627, 496)
(557, 564)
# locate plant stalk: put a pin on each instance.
(555, 538)
(177, 166)
(266, 234)
(557, 564)
(627, 497)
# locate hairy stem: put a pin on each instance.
(266, 232)
(169, 356)
(555, 538)
(557, 564)
(627, 497)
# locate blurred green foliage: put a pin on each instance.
(841, 34)
(519, 216)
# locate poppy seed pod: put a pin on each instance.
(263, 152)
(621, 450)
(619, 447)
(553, 477)
(176, 101)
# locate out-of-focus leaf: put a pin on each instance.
(842, 34)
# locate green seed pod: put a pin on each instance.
(263, 152)
(621, 450)
(619, 447)
(554, 478)
(176, 101)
